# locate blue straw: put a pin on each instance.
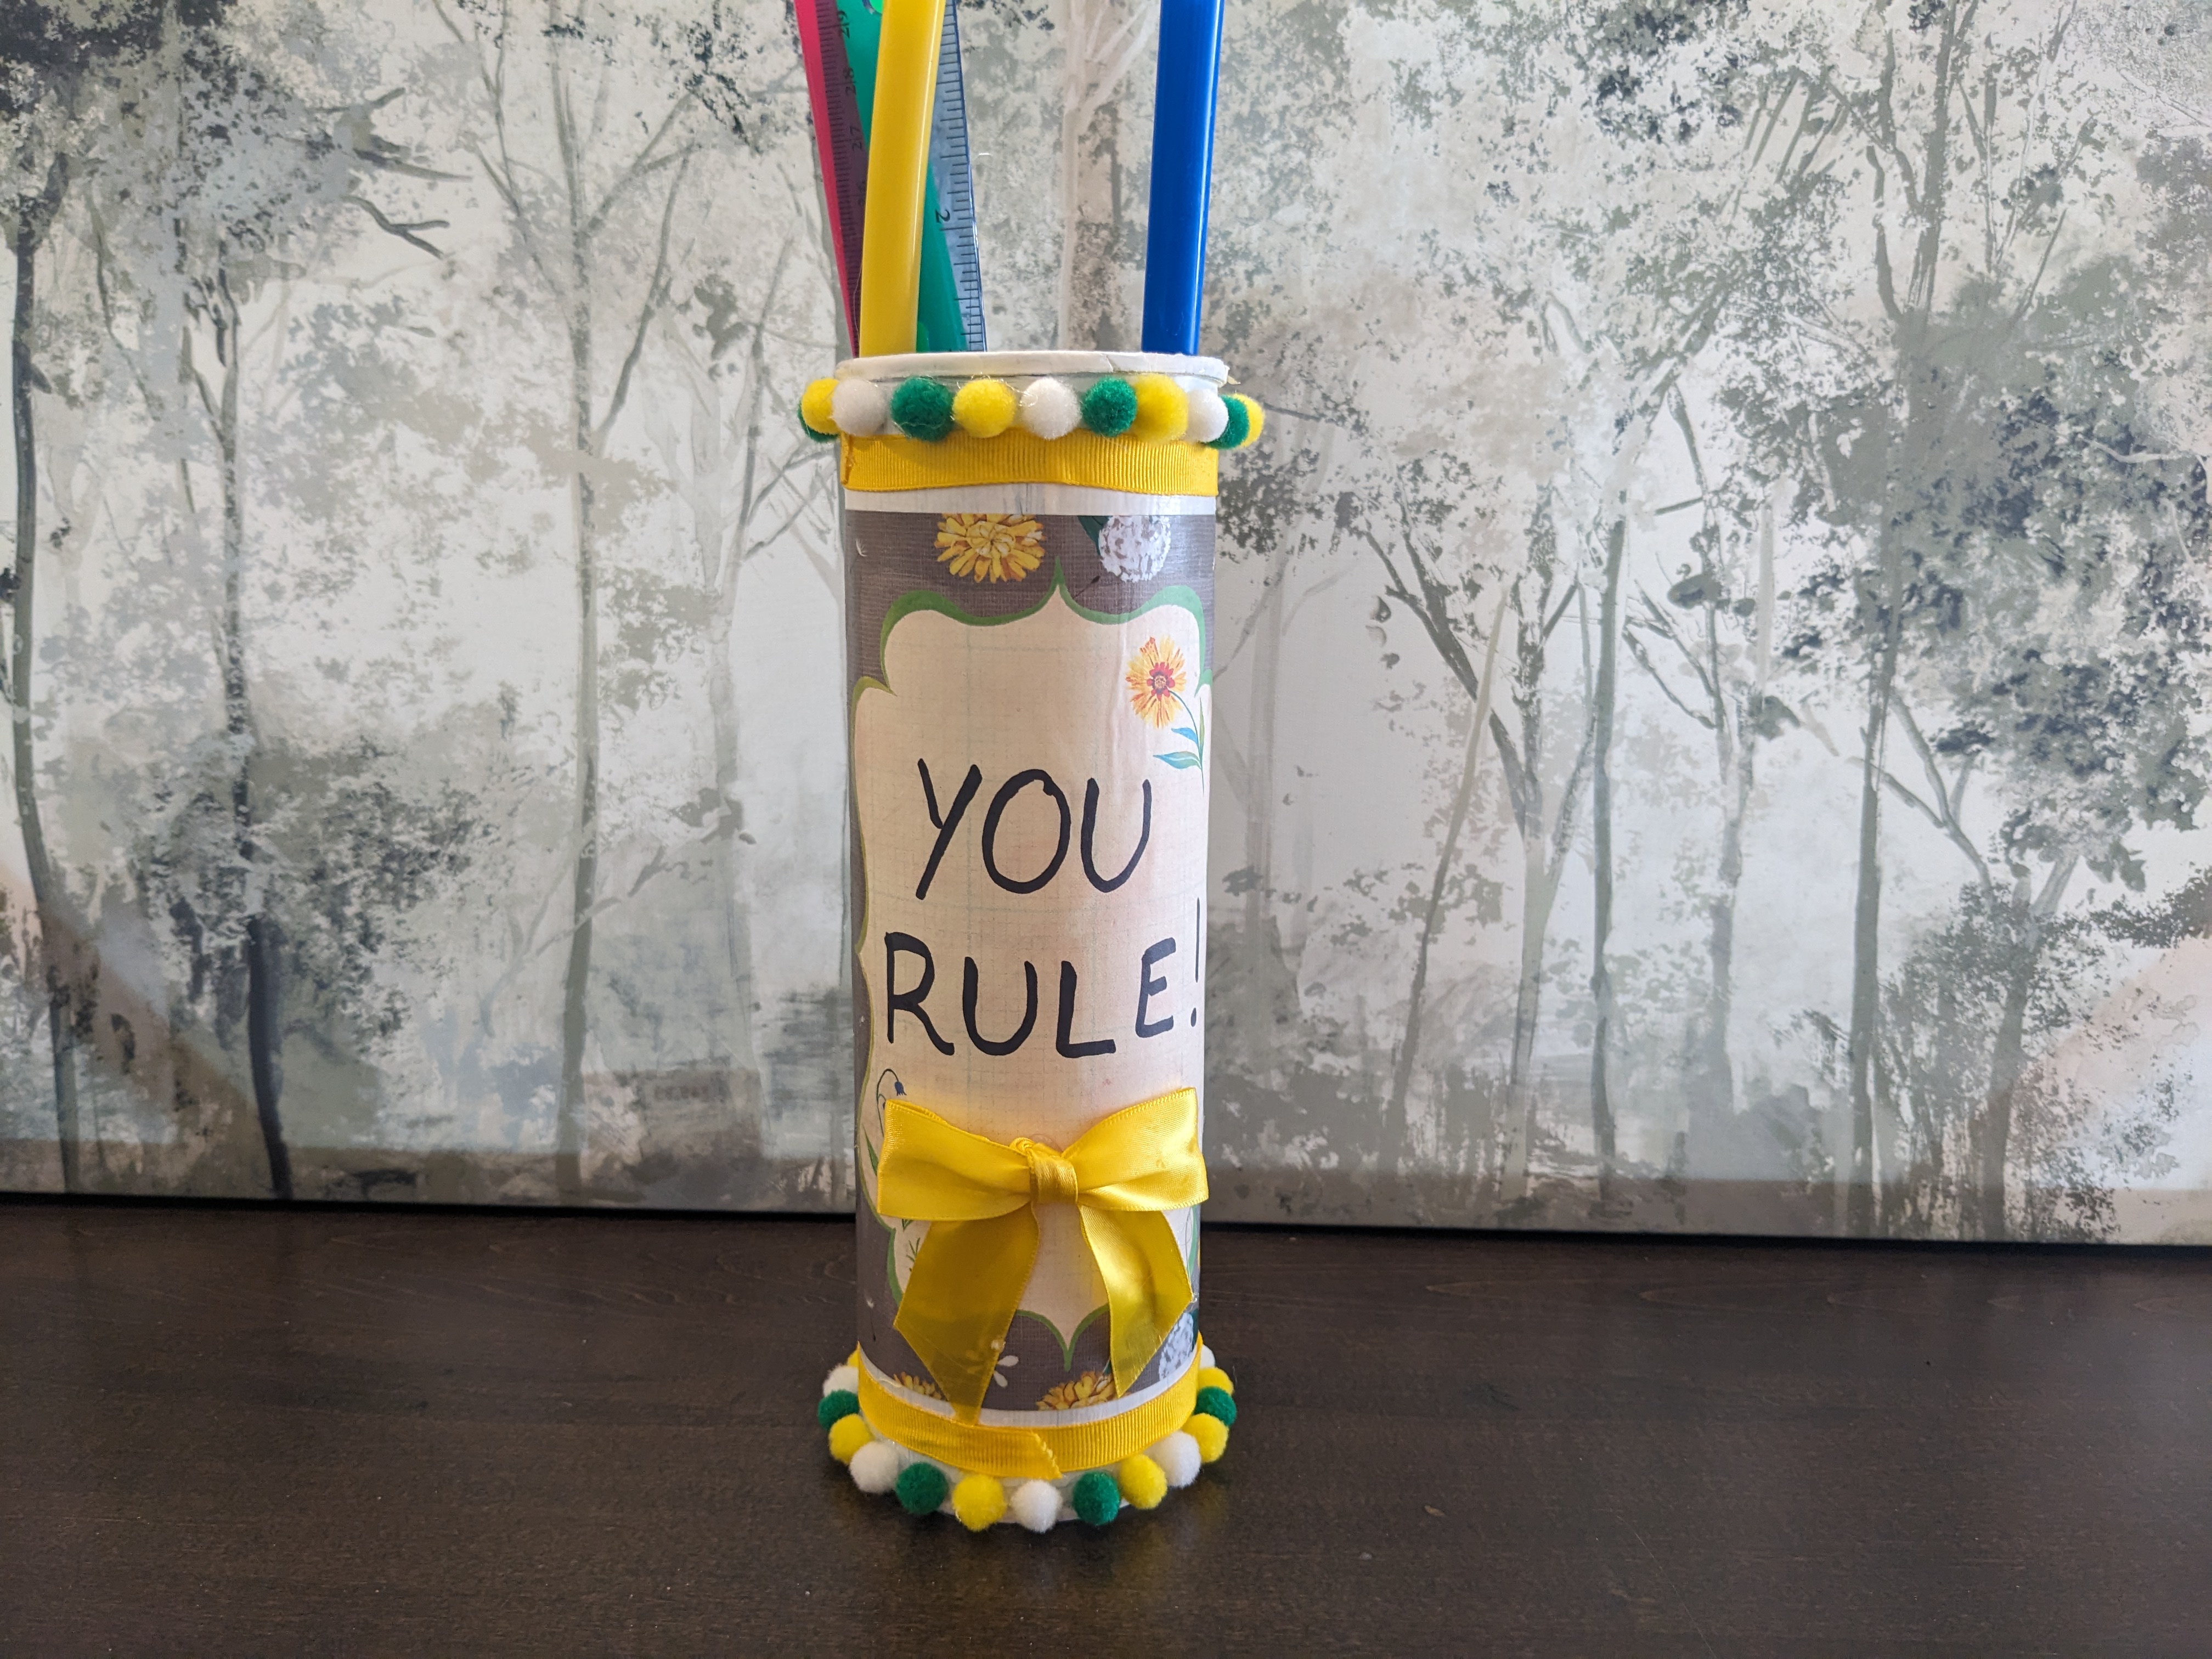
(1182, 172)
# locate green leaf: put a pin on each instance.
(1185, 732)
(1092, 523)
(1183, 760)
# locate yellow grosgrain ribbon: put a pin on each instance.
(980, 1197)
(893, 461)
(1044, 1453)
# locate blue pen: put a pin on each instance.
(1182, 172)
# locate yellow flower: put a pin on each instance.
(921, 1385)
(1156, 681)
(998, 547)
(1092, 1388)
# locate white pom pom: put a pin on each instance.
(1209, 419)
(1050, 411)
(845, 1376)
(1036, 1505)
(1178, 1458)
(1205, 1356)
(859, 407)
(875, 1467)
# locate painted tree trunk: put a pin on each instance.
(57, 927)
(1540, 887)
(576, 976)
(1717, 1065)
(1393, 1117)
(1736, 745)
(724, 563)
(265, 1018)
(1918, 374)
(2008, 1060)
(1258, 1012)
(731, 886)
(1866, 944)
(2009, 1049)
(1602, 993)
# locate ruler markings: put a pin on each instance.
(956, 182)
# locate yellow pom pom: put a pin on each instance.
(1213, 1376)
(1211, 1433)
(984, 409)
(814, 407)
(980, 1501)
(1162, 410)
(1142, 1481)
(847, 1435)
(1255, 418)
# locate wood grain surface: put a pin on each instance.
(263, 1431)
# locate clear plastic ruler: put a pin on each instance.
(956, 183)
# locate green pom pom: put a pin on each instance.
(1110, 406)
(1096, 1498)
(1216, 1403)
(922, 1486)
(841, 1403)
(818, 437)
(923, 407)
(1239, 427)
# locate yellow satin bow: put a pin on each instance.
(980, 1197)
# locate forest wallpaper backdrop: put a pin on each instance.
(1715, 653)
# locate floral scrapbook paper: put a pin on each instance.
(1030, 807)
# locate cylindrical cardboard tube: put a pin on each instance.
(1030, 659)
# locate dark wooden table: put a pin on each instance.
(233, 1431)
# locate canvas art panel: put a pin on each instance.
(1707, 727)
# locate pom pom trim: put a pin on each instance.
(922, 1486)
(922, 408)
(847, 1435)
(815, 414)
(1110, 408)
(1140, 409)
(1096, 1498)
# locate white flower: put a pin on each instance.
(1135, 545)
(1176, 1351)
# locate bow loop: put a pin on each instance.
(980, 1197)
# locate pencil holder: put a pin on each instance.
(1028, 585)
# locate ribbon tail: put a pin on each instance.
(967, 1281)
(1147, 1286)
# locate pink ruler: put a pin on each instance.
(839, 145)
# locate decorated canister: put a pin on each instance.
(1029, 543)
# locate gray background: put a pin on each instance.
(1797, 413)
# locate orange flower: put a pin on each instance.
(1156, 682)
(998, 547)
(921, 1385)
(1092, 1388)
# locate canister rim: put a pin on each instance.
(1016, 364)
